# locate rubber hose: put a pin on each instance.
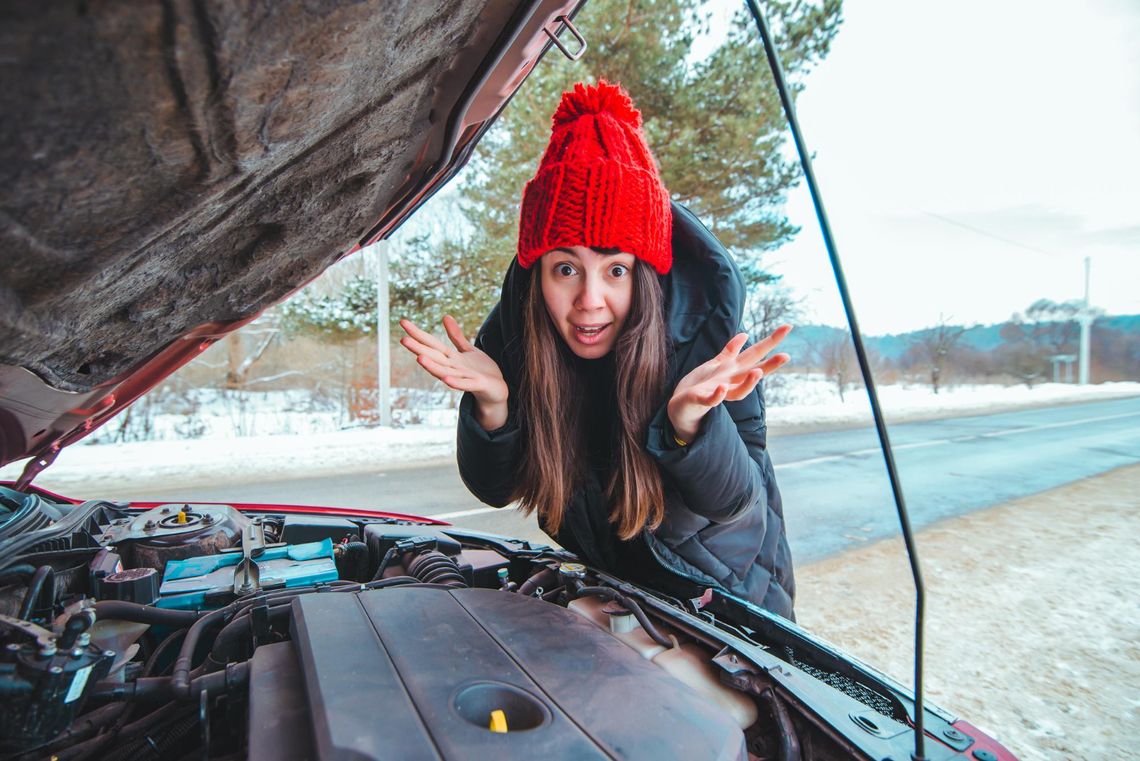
(121, 610)
(152, 661)
(180, 679)
(44, 576)
(225, 644)
(789, 741)
(355, 556)
(632, 607)
(23, 569)
(434, 567)
(543, 578)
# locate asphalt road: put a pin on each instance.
(833, 483)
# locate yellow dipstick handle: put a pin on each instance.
(498, 721)
(181, 516)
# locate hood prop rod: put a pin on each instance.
(864, 366)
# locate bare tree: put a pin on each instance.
(1047, 328)
(935, 348)
(1020, 355)
(265, 329)
(836, 358)
(769, 306)
(1053, 325)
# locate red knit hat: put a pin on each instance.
(597, 184)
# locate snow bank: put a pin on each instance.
(224, 457)
(812, 401)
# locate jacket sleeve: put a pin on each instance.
(488, 460)
(721, 474)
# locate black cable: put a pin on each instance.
(44, 576)
(90, 748)
(632, 607)
(84, 727)
(384, 563)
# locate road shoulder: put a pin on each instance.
(1033, 622)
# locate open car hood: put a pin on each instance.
(168, 171)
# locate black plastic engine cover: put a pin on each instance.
(415, 673)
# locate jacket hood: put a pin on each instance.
(704, 292)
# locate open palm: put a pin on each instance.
(462, 367)
(729, 376)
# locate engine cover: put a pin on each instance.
(417, 672)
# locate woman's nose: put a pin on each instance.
(590, 296)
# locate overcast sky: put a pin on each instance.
(971, 154)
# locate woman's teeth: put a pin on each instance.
(589, 335)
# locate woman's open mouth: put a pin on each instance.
(589, 334)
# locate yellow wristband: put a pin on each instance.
(680, 442)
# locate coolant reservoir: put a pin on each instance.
(591, 608)
(687, 663)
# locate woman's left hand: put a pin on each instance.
(730, 375)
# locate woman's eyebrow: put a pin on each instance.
(566, 251)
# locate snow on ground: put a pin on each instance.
(309, 444)
(812, 401)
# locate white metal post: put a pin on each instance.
(384, 359)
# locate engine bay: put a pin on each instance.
(208, 631)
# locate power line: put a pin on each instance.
(987, 233)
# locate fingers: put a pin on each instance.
(456, 334)
(774, 362)
(753, 354)
(714, 397)
(419, 349)
(732, 348)
(746, 385)
(453, 377)
(425, 338)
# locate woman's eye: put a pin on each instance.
(619, 270)
(565, 270)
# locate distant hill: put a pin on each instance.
(893, 345)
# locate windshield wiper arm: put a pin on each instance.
(864, 366)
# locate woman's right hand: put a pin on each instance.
(463, 368)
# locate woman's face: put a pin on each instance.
(588, 296)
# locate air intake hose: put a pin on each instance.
(434, 567)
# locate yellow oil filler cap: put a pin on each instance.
(181, 516)
(498, 721)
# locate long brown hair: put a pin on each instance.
(554, 461)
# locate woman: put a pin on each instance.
(610, 390)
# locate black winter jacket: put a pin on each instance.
(724, 523)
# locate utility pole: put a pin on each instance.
(383, 357)
(1086, 319)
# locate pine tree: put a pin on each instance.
(715, 126)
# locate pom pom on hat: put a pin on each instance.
(599, 99)
(597, 184)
